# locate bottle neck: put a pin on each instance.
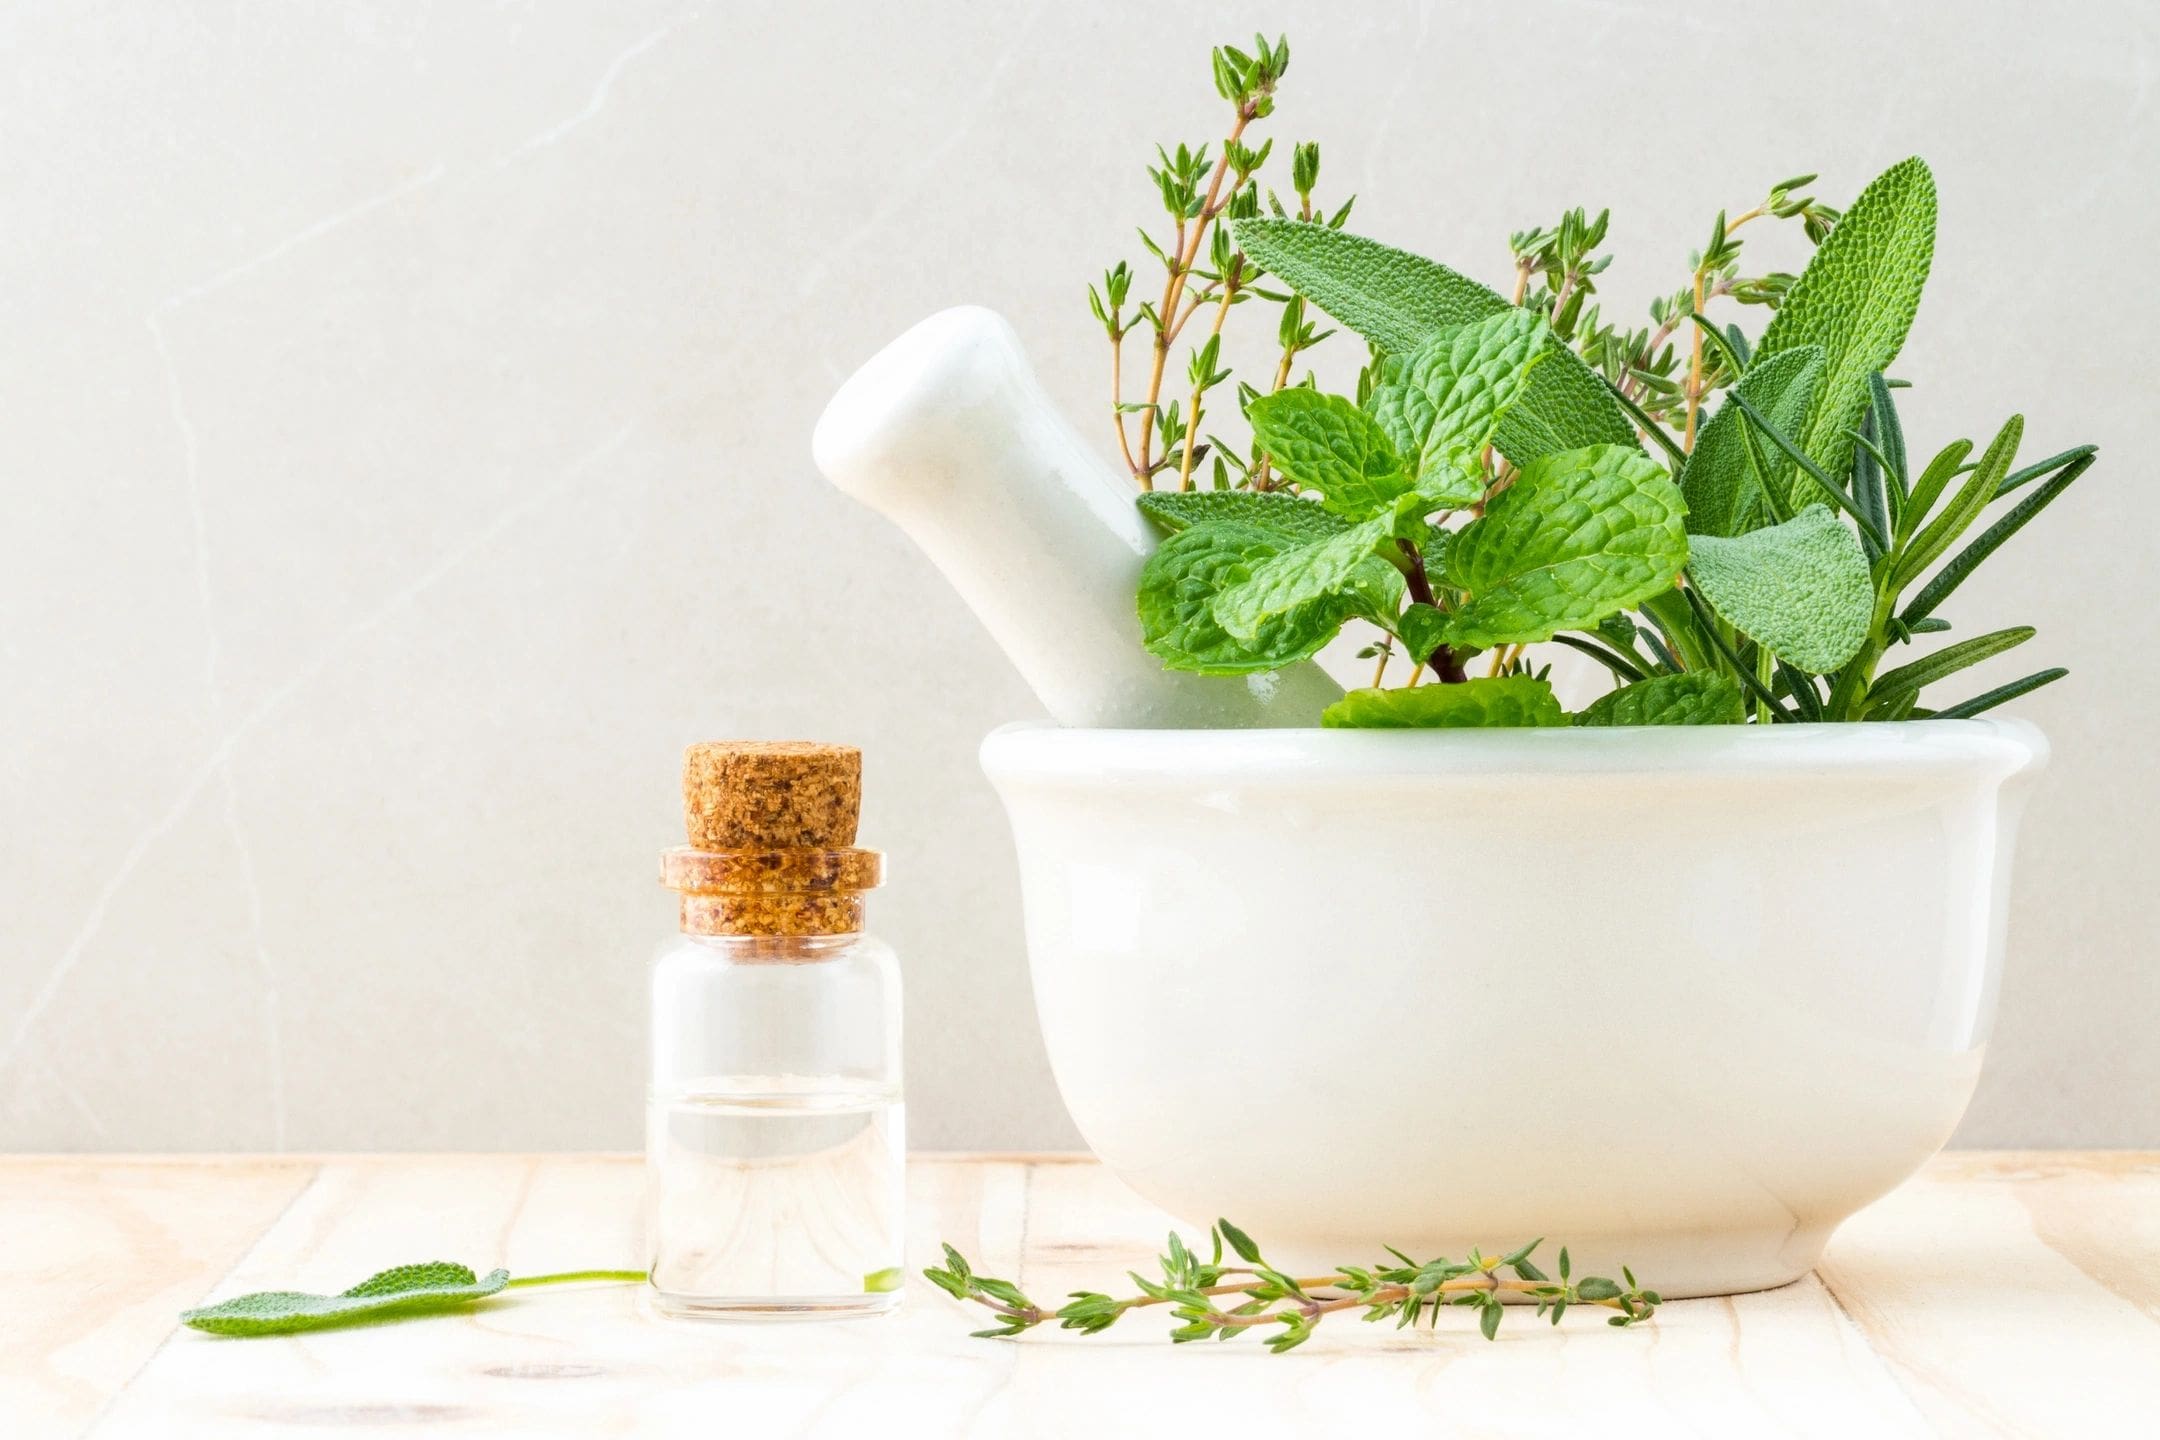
(780, 949)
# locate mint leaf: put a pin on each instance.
(1723, 492)
(1700, 697)
(1856, 300)
(1444, 402)
(1399, 301)
(1577, 537)
(1498, 702)
(405, 1290)
(1433, 551)
(1326, 443)
(1277, 512)
(1423, 629)
(1178, 588)
(1800, 589)
(1283, 583)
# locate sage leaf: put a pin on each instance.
(1723, 491)
(1178, 586)
(1698, 697)
(1306, 574)
(1856, 300)
(1444, 402)
(1277, 512)
(1579, 536)
(1399, 301)
(1497, 702)
(1325, 443)
(404, 1290)
(1800, 589)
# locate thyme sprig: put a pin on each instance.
(1204, 270)
(1213, 1299)
(1643, 362)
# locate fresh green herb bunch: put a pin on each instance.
(1506, 472)
(1213, 1299)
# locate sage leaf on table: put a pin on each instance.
(394, 1294)
(404, 1290)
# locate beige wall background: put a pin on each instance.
(404, 421)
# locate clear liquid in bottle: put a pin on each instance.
(776, 1196)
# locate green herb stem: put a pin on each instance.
(572, 1277)
(1194, 1283)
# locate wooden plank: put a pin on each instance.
(560, 1362)
(1996, 1295)
(98, 1255)
(2014, 1294)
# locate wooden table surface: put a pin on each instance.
(1997, 1294)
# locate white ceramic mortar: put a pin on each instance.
(1681, 998)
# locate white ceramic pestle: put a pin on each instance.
(947, 433)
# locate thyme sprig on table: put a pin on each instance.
(1212, 1299)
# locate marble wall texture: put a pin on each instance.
(404, 426)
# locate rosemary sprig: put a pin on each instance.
(1213, 1299)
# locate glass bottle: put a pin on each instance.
(775, 1139)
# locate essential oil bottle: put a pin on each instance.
(775, 1137)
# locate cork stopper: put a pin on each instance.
(771, 825)
(771, 794)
